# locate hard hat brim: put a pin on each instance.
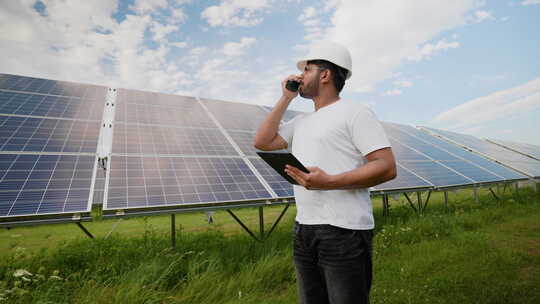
(302, 64)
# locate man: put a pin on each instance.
(346, 151)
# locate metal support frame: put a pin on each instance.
(410, 202)
(386, 205)
(446, 199)
(173, 230)
(475, 191)
(493, 193)
(421, 207)
(262, 235)
(85, 230)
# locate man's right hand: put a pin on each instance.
(290, 94)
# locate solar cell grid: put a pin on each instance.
(47, 135)
(527, 149)
(146, 139)
(396, 131)
(515, 160)
(404, 180)
(403, 152)
(51, 87)
(280, 186)
(164, 181)
(236, 116)
(436, 174)
(471, 171)
(44, 184)
(474, 158)
(50, 106)
(191, 115)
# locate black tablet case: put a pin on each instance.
(279, 160)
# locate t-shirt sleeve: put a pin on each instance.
(367, 132)
(286, 130)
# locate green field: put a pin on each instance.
(469, 252)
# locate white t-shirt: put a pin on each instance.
(335, 138)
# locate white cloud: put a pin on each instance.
(393, 92)
(162, 30)
(480, 16)
(82, 42)
(495, 106)
(403, 83)
(309, 12)
(238, 48)
(145, 6)
(235, 13)
(530, 2)
(382, 35)
(429, 49)
(179, 44)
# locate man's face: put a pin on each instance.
(310, 81)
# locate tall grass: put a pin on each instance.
(467, 253)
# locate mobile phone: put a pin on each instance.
(292, 85)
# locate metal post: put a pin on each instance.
(446, 199)
(386, 212)
(475, 195)
(261, 222)
(173, 230)
(419, 200)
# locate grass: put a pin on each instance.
(485, 252)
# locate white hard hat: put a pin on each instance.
(329, 51)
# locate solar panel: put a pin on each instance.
(461, 165)
(236, 116)
(51, 87)
(163, 140)
(47, 135)
(38, 184)
(436, 174)
(428, 161)
(18, 103)
(137, 182)
(280, 186)
(523, 148)
(48, 139)
(152, 108)
(499, 170)
(405, 180)
(182, 160)
(504, 156)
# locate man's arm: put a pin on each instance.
(267, 137)
(380, 167)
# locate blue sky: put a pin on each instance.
(468, 66)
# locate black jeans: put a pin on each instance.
(333, 265)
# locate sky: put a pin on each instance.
(469, 66)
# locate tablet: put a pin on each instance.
(278, 161)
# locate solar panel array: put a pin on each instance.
(171, 152)
(516, 161)
(48, 139)
(429, 162)
(523, 148)
(176, 151)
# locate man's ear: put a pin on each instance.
(325, 75)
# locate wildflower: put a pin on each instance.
(21, 273)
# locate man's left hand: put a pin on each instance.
(315, 179)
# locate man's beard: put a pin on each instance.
(310, 91)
